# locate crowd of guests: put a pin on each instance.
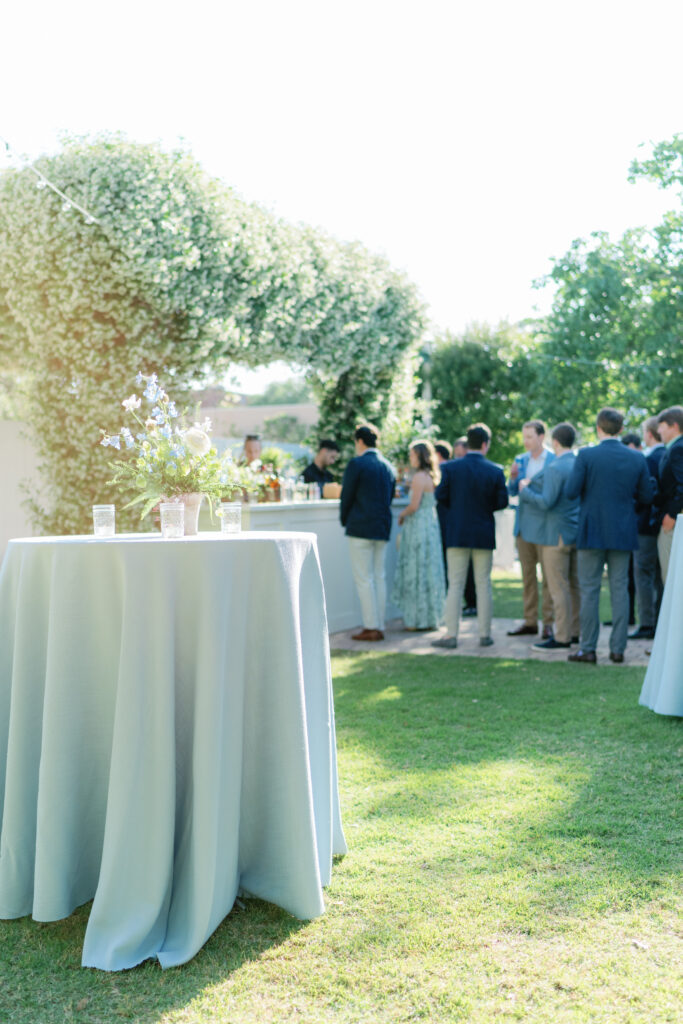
(608, 504)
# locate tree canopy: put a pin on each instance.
(481, 375)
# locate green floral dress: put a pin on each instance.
(419, 587)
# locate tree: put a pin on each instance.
(482, 375)
(283, 392)
(615, 331)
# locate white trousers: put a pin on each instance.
(367, 566)
(458, 562)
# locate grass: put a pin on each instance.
(514, 855)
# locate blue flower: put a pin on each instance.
(166, 432)
(139, 379)
(113, 442)
(127, 437)
(171, 410)
(177, 451)
(153, 392)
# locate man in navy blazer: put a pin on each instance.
(670, 497)
(471, 490)
(646, 571)
(365, 510)
(609, 478)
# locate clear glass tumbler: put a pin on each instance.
(104, 520)
(172, 519)
(231, 517)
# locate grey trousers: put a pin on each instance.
(591, 563)
(648, 580)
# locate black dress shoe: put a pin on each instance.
(643, 633)
(524, 631)
(547, 633)
(587, 656)
(551, 644)
(617, 658)
(469, 612)
(575, 639)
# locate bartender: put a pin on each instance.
(318, 472)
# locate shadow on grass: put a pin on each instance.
(562, 777)
(41, 978)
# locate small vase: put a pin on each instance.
(192, 503)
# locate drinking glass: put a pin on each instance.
(231, 517)
(172, 519)
(104, 520)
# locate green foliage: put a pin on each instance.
(276, 457)
(483, 375)
(283, 392)
(615, 332)
(285, 428)
(180, 277)
(613, 335)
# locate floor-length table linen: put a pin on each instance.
(662, 690)
(166, 736)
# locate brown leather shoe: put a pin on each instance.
(617, 658)
(588, 656)
(368, 634)
(524, 631)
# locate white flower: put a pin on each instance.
(131, 403)
(198, 442)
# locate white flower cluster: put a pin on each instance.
(181, 274)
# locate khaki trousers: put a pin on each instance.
(665, 540)
(458, 564)
(561, 572)
(529, 558)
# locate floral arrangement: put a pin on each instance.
(168, 459)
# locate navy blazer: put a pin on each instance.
(547, 493)
(670, 497)
(471, 490)
(367, 492)
(649, 516)
(609, 478)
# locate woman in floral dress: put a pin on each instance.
(419, 587)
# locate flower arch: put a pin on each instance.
(137, 260)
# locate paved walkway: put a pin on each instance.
(517, 648)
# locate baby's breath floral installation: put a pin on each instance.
(162, 458)
(179, 276)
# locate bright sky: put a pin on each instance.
(468, 142)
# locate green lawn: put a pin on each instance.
(515, 847)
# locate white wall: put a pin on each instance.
(17, 464)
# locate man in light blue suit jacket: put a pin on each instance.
(609, 478)
(529, 529)
(547, 495)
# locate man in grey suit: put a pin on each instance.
(558, 549)
(528, 530)
(609, 478)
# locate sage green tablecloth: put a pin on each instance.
(166, 736)
(663, 687)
